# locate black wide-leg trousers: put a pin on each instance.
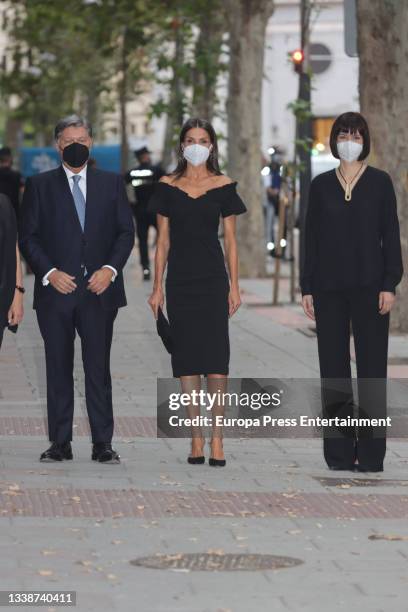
(95, 328)
(335, 311)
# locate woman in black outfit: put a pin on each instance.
(11, 292)
(200, 298)
(352, 266)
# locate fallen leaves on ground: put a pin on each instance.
(47, 552)
(390, 537)
(12, 489)
(215, 551)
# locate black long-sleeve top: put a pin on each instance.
(352, 244)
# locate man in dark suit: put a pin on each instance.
(77, 233)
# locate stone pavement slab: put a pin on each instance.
(78, 525)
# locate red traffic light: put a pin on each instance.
(298, 56)
(297, 59)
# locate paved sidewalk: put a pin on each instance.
(77, 525)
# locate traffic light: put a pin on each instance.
(297, 58)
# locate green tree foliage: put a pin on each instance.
(65, 55)
(90, 55)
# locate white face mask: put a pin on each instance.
(196, 154)
(349, 150)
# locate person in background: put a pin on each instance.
(264, 178)
(143, 179)
(11, 181)
(11, 276)
(273, 193)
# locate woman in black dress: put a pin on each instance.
(352, 266)
(199, 296)
(11, 292)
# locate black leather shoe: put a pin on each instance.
(57, 452)
(104, 453)
(342, 468)
(374, 468)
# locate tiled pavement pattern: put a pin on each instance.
(126, 426)
(77, 525)
(107, 503)
(146, 427)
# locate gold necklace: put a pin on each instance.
(349, 188)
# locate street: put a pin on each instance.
(78, 525)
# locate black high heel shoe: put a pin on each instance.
(197, 460)
(216, 462)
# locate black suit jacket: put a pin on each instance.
(50, 234)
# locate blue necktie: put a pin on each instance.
(79, 200)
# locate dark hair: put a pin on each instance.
(212, 161)
(5, 154)
(353, 122)
(71, 121)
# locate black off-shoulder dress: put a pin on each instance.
(197, 283)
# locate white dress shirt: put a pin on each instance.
(82, 186)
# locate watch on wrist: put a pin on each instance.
(20, 289)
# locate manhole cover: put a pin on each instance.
(215, 562)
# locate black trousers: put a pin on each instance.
(95, 328)
(144, 220)
(334, 311)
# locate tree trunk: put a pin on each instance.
(13, 133)
(383, 51)
(247, 25)
(304, 127)
(167, 156)
(207, 58)
(92, 106)
(123, 91)
(175, 114)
